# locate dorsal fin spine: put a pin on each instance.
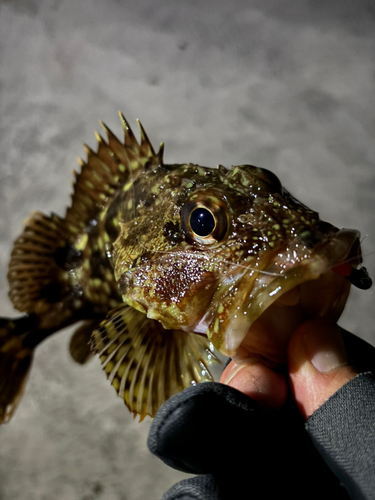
(160, 154)
(145, 141)
(130, 140)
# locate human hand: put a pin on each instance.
(317, 368)
(259, 446)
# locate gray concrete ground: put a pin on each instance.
(284, 85)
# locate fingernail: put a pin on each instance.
(232, 372)
(324, 346)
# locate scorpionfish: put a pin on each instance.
(161, 264)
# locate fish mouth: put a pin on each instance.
(268, 304)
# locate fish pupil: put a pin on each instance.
(202, 221)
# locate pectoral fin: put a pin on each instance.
(33, 272)
(147, 364)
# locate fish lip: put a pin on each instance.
(343, 246)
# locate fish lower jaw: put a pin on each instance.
(267, 338)
(276, 304)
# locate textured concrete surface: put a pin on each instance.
(284, 85)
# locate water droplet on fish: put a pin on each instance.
(108, 250)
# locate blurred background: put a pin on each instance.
(285, 85)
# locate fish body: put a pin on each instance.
(161, 263)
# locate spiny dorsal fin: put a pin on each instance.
(147, 364)
(106, 171)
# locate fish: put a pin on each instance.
(162, 265)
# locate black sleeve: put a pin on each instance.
(343, 431)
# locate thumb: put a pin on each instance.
(317, 364)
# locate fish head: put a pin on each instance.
(230, 254)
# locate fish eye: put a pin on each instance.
(205, 221)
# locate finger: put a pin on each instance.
(263, 385)
(195, 488)
(318, 364)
